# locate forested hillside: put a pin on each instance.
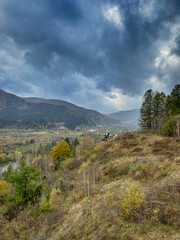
(43, 113)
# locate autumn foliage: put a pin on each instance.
(5, 189)
(61, 151)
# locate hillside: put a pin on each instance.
(129, 117)
(127, 188)
(36, 112)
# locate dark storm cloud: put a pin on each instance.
(176, 48)
(71, 43)
(132, 54)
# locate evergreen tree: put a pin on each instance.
(159, 102)
(173, 101)
(146, 111)
(25, 180)
(68, 141)
(160, 112)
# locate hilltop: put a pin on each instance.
(44, 113)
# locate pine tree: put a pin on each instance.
(25, 180)
(173, 101)
(146, 111)
(159, 102)
(68, 141)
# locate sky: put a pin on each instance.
(98, 54)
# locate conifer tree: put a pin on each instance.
(173, 101)
(25, 180)
(146, 111)
(159, 102)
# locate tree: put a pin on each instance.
(74, 144)
(173, 101)
(160, 112)
(5, 190)
(159, 101)
(41, 150)
(146, 111)
(25, 180)
(18, 155)
(68, 141)
(61, 151)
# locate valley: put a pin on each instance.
(90, 120)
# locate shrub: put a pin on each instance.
(132, 202)
(170, 127)
(143, 169)
(44, 205)
(113, 171)
(32, 141)
(54, 200)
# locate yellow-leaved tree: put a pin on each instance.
(5, 190)
(61, 151)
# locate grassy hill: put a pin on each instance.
(127, 188)
(35, 113)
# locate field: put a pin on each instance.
(11, 139)
(28, 140)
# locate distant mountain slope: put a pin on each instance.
(129, 117)
(37, 112)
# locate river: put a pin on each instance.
(4, 167)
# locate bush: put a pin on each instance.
(54, 200)
(44, 205)
(70, 164)
(170, 127)
(32, 141)
(114, 171)
(133, 202)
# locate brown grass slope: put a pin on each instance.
(134, 187)
(136, 195)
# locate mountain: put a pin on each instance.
(129, 117)
(38, 112)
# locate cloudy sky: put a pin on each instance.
(99, 54)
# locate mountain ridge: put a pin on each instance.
(34, 112)
(129, 117)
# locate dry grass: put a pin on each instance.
(123, 164)
(135, 196)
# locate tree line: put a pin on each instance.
(160, 112)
